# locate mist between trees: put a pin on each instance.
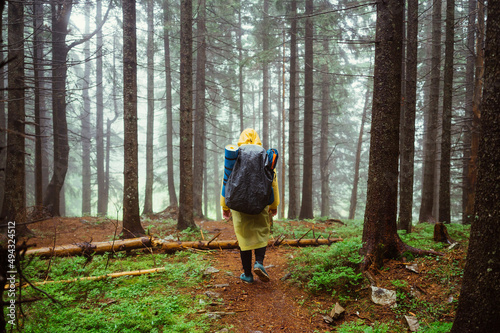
(301, 76)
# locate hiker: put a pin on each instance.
(253, 230)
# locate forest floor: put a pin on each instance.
(279, 305)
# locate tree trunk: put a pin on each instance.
(148, 197)
(354, 192)
(380, 237)
(199, 125)
(283, 134)
(469, 96)
(216, 180)
(102, 205)
(167, 246)
(293, 200)
(168, 92)
(3, 133)
(478, 88)
(265, 76)
(306, 209)
(109, 123)
(38, 73)
(478, 304)
(324, 147)
(131, 219)
(429, 168)
(62, 201)
(185, 219)
(61, 12)
(85, 120)
(108, 158)
(239, 45)
(444, 174)
(408, 122)
(14, 201)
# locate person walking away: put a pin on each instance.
(253, 230)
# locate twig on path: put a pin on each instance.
(304, 235)
(214, 238)
(100, 277)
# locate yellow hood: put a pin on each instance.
(249, 136)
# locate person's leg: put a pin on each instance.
(260, 254)
(246, 261)
(258, 268)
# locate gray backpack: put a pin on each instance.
(249, 186)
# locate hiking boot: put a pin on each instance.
(259, 270)
(246, 279)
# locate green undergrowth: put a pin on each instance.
(329, 269)
(350, 228)
(335, 271)
(157, 302)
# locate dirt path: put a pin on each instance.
(265, 307)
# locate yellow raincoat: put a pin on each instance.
(252, 231)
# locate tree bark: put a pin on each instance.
(199, 125)
(61, 12)
(408, 122)
(3, 133)
(265, 75)
(148, 196)
(476, 110)
(14, 201)
(38, 18)
(478, 308)
(85, 121)
(216, 179)
(324, 147)
(306, 209)
(167, 246)
(168, 92)
(469, 96)
(380, 237)
(444, 178)
(429, 168)
(102, 204)
(185, 219)
(293, 201)
(131, 219)
(239, 45)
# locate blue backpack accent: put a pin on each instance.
(230, 155)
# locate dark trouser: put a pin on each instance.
(246, 259)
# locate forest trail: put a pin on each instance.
(275, 306)
(279, 305)
(260, 307)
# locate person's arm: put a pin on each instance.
(273, 207)
(226, 212)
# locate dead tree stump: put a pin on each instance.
(441, 234)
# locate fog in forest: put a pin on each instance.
(247, 71)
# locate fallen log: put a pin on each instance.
(169, 246)
(100, 277)
(91, 248)
(164, 245)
